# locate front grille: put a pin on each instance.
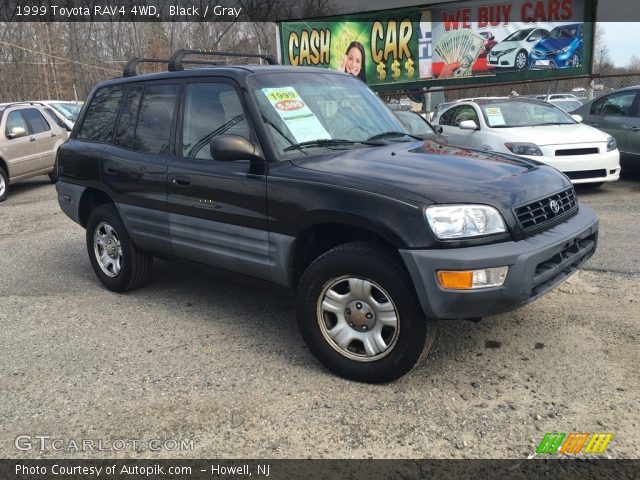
(576, 151)
(540, 213)
(586, 174)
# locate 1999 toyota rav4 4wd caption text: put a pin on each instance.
(304, 178)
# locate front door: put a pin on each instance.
(217, 209)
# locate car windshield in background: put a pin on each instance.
(415, 124)
(523, 114)
(518, 36)
(564, 32)
(312, 113)
(67, 110)
(567, 105)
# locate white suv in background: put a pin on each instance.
(536, 130)
(29, 140)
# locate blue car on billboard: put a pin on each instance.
(562, 49)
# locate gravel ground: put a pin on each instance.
(199, 356)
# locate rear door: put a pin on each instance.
(46, 137)
(217, 209)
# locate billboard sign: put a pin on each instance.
(461, 42)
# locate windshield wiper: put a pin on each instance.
(328, 142)
(382, 135)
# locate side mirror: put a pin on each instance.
(227, 148)
(577, 118)
(468, 125)
(17, 132)
(438, 128)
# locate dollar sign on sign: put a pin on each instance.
(408, 67)
(395, 67)
(382, 73)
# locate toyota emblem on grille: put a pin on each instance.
(554, 206)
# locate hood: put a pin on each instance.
(442, 173)
(506, 46)
(553, 134)
(554, 44)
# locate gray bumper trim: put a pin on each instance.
(536, 265)
(69, 196)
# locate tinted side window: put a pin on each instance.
(153, 129)
(35, 120)
(618, 104)
(127, 122)
(465, 112)
(211, 109)
(14, 119)
(100, 118)
(447, 117)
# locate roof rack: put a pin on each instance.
(130, 69)
(26, 102)
(175, 62)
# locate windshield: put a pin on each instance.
(312, 113)
(67, 110)
(523, 114)
(568, 31)
(415, 124)
(567, 105)
(518, 36)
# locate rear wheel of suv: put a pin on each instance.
(117, 262)
(4, 185)
(359, 316)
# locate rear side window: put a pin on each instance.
(153, 129)
(35, 120)
(100, 119)
(127, 123)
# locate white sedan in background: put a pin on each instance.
(536, 130)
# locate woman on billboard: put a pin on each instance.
(353, 61)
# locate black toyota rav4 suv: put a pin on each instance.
(304, 178)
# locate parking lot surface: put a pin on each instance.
(216, 363)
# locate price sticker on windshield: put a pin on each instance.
(494, 116)
(296, 114)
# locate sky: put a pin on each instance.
(622, 40)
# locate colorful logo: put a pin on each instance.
(553, 443)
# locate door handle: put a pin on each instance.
(634, 129)
(181, 180)
(54, 135)
(32, 139)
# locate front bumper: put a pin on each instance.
(536, 265)
(598, 167)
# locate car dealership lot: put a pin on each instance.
(198, 355)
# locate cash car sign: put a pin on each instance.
(449, 43)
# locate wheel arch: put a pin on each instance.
(91, 198)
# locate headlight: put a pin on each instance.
(463, 221)
(504, 52)
(524, 149)
(611, 144)
(564, 50)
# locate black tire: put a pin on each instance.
(135, 265)
(4, 185)
(521, 54)
(390, 281)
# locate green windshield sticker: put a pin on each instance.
(298, 117)
(494, 116)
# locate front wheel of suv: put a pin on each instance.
(4, 185)
(359, 316)
(116, 261)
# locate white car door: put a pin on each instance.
(450, 122)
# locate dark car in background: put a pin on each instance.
(618, 114)
(562, 49)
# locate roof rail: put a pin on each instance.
(26, 102)
(175, 62)
(130, 69)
